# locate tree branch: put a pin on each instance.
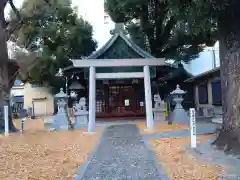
(20, 20)
(15, 10)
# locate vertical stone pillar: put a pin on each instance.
(92, 99)
(148, 97)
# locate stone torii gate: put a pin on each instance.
(92, 64)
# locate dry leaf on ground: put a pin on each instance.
(42, 155)
(180, 165)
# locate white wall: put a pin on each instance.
(17, 91)
(205, 61)
(41, 97)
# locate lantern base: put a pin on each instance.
(178, 116)
(61, 122)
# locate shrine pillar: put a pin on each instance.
(148, 97)
(92, 100)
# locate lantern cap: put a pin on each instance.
(178, 91)
(61, 94)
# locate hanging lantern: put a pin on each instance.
(76, 86)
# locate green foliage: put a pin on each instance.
(137, 35)
(164, 33)
(55, 34)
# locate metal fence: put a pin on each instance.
(17, 107)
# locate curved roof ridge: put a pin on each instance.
(135, 47)
(118, 32)
(104, 48)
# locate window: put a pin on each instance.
(216, 92)
(203, 93)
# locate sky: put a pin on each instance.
(93, 12)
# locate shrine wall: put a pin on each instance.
(39, 98)
(207, 91)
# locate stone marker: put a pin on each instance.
(158, 110)
(6, 120)
(81, 114)
(193, 127)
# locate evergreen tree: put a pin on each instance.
(225, 15)
(151, 23)
(57, 35)
(30, 28)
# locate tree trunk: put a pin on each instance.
(4, 81)
(229, 137)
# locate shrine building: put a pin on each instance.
(120, 79)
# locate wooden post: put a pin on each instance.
(193, 128)
(6, 120)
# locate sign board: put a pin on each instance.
(126, 102)
(141, 104)
(193, 128)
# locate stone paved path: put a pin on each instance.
(122, 155)
(201, 128)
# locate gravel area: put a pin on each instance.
(122, 155)
(180, 164)
(40, 155)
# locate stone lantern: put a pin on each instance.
(178, 115)
(61, 120)
(61, 95)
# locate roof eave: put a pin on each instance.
(202, 75)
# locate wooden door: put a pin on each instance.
(120, 100)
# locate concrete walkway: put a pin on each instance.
(201, 128)
(122, 155)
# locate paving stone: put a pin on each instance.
(122, 155)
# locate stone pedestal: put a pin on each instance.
(158, 110)
(81, 114)
(61, 120)
(81, 120)
(178, 115)
(218, 115)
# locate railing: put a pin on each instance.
(17, 107)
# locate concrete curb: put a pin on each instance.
(79, 175)
(184, 133)
(154, 158)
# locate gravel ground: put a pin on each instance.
(122, 155)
